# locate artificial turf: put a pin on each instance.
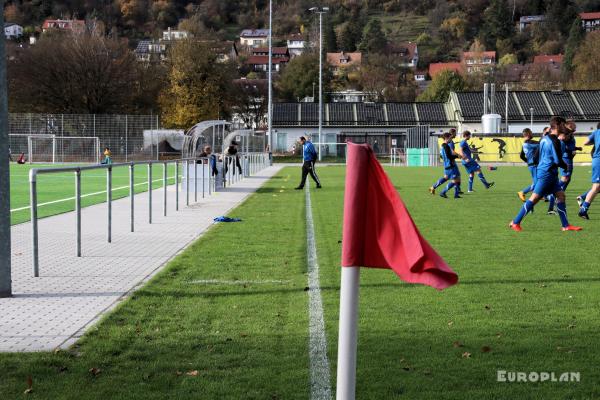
(228, 318)
(58, 186)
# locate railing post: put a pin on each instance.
(203, 176)
(78, 209)
(131, 196)
(187, 181)
(164, 189)
(176, 185)
(109, 201)
(149, 192)
(195, 180)
(34, 221)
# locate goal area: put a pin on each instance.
(53, 149)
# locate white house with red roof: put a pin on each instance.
(590, 21)
(70, 25)
(479, 61)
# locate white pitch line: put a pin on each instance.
(82, 196)
(320, 380)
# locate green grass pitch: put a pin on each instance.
(228, 318)
(55, 187)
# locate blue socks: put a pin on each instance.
(482, 179)
(551, 202)
(564, 185)
(527, 189)
(439, 182)
(562, 213)
(457, 191)
(470, 183)
(527, 207)
(585, 206)
(583, 196)
(448, 187)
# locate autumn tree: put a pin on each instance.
(198, 86)
(66, 73)
(576, 36)
(586, 72)
(441, 86)
(299, 76)
(383, 76)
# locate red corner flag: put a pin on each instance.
(378, 230)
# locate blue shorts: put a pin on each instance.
(533, 172)
(452, 173)
(545, 187)
(568, 171)
(596, 170)
(471, 167)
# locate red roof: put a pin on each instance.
(473, 54)
(548, 59)
(264, 60)
(436, 68)
(589, 15)
(276, 50)
(68, 24)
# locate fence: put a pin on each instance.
(123, 134)
(249, 163)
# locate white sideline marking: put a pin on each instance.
(86, 195)
(320, 380)
(225, 282)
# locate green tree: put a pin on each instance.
(498, 23)
(198, 87)
(441, 86)
(298, 77)
(560, 14)
(373, 40)
(351, 35)
(576, 36)
(329, 37)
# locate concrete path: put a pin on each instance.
(70, 295)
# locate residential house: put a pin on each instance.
(479, 61)
(352, 96)
(437, 68)
(552, 60)
(407, 54)
(590, 21)
(259, 58)
(225, 51)
(175, 35)
(528, 20)
(295, 44)
(339, 61)
(254, 37)
(67, 25)
(12, 31)
(151, 51)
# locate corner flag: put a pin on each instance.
(378, 233)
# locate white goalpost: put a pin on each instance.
(54, 149)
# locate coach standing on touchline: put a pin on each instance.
(309, 155)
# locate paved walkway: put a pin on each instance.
(71, 293)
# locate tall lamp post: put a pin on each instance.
(270, 105)
(5, 275)
(320, 11)
(531, 123)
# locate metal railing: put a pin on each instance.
(252, 163)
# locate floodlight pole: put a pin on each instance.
(5, 267)
(320, 11)
(270, 73)
(531, 123)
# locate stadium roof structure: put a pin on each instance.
(579, 105)
(359, 114)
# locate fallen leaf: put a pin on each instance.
(27, 391)
(450, 323)
(486, 349)
(457, 344)
(498, 335)
(178, 373)
(192, 373)
(95, 371)
(466, 354)
(542, 285)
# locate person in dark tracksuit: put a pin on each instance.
(309, 155)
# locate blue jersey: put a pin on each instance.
(530, 152)
(447, 156)
(594, 139)
(466, 150)
(451, 145)
(550, 158)
(568, 148)
(308, 151)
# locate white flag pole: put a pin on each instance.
(347, 339)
